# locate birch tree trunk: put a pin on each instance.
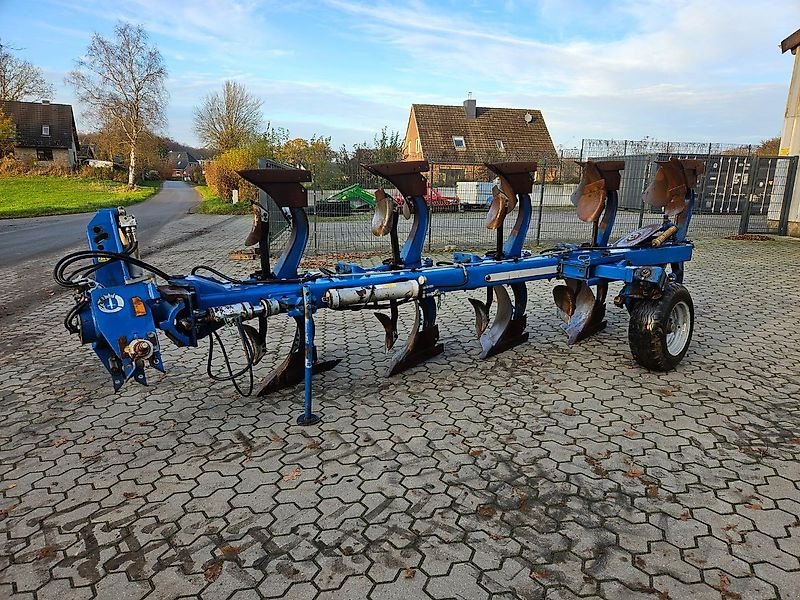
(132, 167)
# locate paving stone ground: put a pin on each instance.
(546, 472)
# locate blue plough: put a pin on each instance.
(120, 306)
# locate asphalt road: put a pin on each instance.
(23, 239)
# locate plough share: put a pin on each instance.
(120, 305)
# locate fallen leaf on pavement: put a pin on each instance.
(46, 552)
(213, 571)
(293, 474)
(539, 574)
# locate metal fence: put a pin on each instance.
(738, 192)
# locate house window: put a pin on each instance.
(44, 154)
(419, 146)
(500, 146)
(46, 130)
(458, 142)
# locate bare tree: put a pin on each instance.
(228, 120)
(20, 80)
(122, 82)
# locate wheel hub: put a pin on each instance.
(678, 327)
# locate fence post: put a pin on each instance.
(645, 180)
(430, 207)
(700, 202)
(788, 190)
(744, 222)
(541, 201)
(316, 235)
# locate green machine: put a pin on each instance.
(349, 200)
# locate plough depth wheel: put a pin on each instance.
(660, 330)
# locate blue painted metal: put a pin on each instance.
(606, 224)
(181, 310)
(685, 217)
(516, 239)
(411, 254)
(103, 234)
(308, 417)
(289, 261)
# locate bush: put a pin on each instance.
(221, 174)
(12, 166)
(9, 165)
(195, 174)
(103, 173)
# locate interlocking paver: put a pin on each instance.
(545, 472)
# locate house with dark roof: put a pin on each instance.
(181, 163)
(457, 140)
(45, 133)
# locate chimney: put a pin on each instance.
(470, 109)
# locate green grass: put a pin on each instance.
(211, 204)
(39, 195)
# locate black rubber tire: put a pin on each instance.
(647, 330)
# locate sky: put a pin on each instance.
(682, 70)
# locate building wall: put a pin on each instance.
(449, 174)
(62, 157)
(412, 150)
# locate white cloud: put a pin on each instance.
(677, 69)
(674, 69)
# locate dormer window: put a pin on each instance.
(46, 130)
(499, 145)
(458, 142)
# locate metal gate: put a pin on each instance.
(770, 182)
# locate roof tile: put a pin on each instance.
(29, 118)
(437, 124)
